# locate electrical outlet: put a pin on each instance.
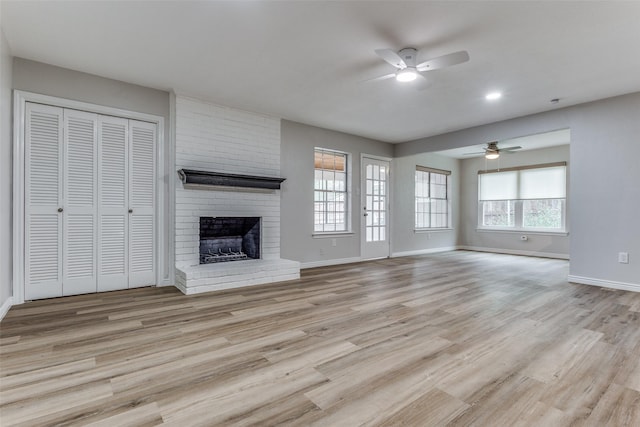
(623, 257)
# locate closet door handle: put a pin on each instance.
(130, 210)
(60, 210)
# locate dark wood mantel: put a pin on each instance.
(207, 178)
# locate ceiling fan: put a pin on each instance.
(492, 151)
(407, 68)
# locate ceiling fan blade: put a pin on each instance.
(444, 61)
(391, 57)
(385, 77)
(474, 154)
(511, 148)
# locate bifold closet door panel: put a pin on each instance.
(113, 194)
(80, 206)
(142, 143)
(43, 200)
(89, 202)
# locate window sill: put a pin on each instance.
(332, 234)
(431, 230)
(523, 231)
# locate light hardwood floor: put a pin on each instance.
(457, 338)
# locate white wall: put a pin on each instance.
(604, 197)
(298, 143)
(213, 138)
(537, 244)
(6, 255)
(404, 239)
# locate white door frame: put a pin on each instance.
(389, 201)
(20, 99)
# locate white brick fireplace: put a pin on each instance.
(220, 139)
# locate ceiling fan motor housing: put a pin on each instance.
(409, 56)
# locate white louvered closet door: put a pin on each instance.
(43, 199)
(142, 137)
(113, 194)
(89, 202)
(80, 202)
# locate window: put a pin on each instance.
(526, 198)
(432, 198)
(330, 191)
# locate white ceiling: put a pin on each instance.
(528, 142)
(306, 61)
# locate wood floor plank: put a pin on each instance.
(456, 338)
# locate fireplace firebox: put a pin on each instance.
(224, 239)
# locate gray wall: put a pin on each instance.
(404, 240)
(47, 79)
(6, 254)
(604, 197)
(605, 189)
(538, 244)
(296, 205)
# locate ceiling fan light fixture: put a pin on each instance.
(492, 96)
(406, 75)
(491, 155)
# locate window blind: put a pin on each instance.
(544, 183)
(525, 183)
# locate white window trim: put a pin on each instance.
(449, 226)
(538, 231)
(432, 230)
(518, 215)
(518, 220)
(327, 234)
(348, 203)
(20, 99)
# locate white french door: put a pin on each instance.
(89, 202)
(375, 208)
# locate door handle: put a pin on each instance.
(60, 209)
(366, 214)
(130, 210)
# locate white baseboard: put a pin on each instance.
(423, 251)
(328, 262)
(634, 287)
(515, 252)
(5, 307)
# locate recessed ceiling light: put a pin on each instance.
(492, 96)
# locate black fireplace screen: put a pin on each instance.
(229, 239)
